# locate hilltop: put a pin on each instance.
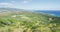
(17, 20)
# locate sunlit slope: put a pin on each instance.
(24, 21)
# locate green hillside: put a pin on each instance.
(24, 21)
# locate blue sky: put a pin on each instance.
(32, 4)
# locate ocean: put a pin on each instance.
(53, 12)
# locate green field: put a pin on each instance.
(29, 22)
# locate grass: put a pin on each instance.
(29, 22)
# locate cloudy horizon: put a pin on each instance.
(31, 4)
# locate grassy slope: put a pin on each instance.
(28, 22)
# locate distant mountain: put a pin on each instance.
(51, 12)
(6, 10)
(10, 9)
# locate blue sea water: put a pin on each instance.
(55, 13)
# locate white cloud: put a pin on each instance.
(7, 5)
(26, 1)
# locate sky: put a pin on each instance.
(31, 4)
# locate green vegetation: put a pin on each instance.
(29, 22)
